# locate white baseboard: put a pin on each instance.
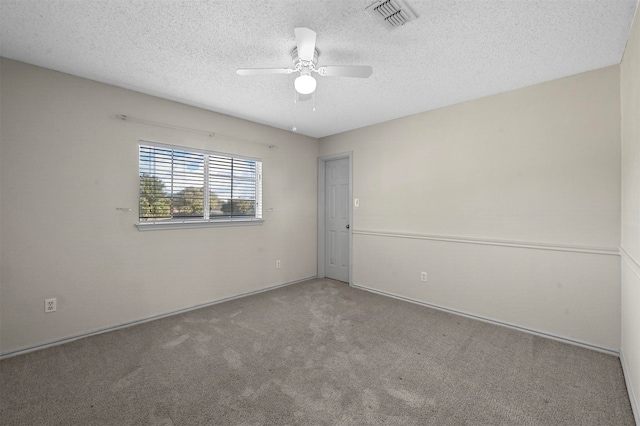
(143, 320)
(632, 395)
(492, 321)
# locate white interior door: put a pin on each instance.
(337, 225)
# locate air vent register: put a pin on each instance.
(392, 13)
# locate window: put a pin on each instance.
(189, 187)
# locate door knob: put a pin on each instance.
(347, 226)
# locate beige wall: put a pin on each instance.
(67, 164)
(630, 100)
(510, 203)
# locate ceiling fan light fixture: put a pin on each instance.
(305, 84)
(305, 59)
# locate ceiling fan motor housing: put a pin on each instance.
(300, 64)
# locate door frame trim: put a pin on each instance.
(322, 205)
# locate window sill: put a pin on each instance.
(197, 224)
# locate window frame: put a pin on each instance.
(205, 220)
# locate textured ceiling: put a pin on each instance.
(188, 51)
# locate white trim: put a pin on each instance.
(630, 390)
(156, 226)
(28, 349)
(607, 251)
(321, 215)
(635, 266)
(321, 209)
(351, 217)
(492, 321)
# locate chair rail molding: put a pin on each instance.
(606, 251)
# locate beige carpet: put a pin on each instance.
(315, 353)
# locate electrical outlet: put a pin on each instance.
(50, 305)
(277, 264)
(423, 277)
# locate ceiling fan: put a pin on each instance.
(305, 60)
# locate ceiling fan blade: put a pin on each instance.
(359, 71)
(263, 71)
(306, 43)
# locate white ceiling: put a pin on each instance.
(188, 51)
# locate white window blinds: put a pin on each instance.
(188, 185)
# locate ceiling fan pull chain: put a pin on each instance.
(295, 121)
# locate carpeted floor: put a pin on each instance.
(315, 353)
